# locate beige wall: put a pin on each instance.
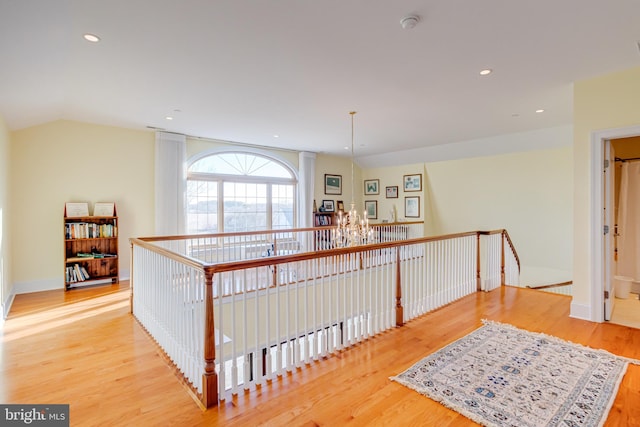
(528, 194)
(71, 161)
(66, 161)
(338, 166)
(390, 177)
(5, 253)
(606, 102)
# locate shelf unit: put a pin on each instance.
(323, 219)
(90, 250)
(322, 238)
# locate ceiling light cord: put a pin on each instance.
(353, 113)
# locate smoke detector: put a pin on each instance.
(409, 22)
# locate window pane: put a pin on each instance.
(241, 164)
(202, 207)
(282, 202)
(245, 206)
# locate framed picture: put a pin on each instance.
(76, 210)
(392, 192)
(412, 207)
(371, 208)
(332, 184)
(103, 209)
(413, 182)
(371, 186)
(328, 206)
(340, 206)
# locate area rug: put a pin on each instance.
(500, 375)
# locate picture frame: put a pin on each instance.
(412, 182)
(371, 187)
(332, 184)
(371, 208)
(340, 206)
(412, 207)
(104, 209)
(392, 192)
(328, 206)
(76, 210)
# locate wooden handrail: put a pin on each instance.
(555, 285)
(303, 256)
(513, 248)
(209, 377)
(259, 232)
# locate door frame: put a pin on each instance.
(598, 255)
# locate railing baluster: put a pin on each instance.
(267, 323)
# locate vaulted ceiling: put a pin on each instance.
(248, 70)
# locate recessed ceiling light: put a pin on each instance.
(169, 118)
(540, 111)
(486, 72)
(91, 38)
(346, 148)
(276, 136)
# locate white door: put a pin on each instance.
(608, 232)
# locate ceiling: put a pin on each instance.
(244, 71)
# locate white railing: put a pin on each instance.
(275, 314)
(511, 262)
(228, 247)
(168, 302)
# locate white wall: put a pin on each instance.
(529, 194)
(6, 288)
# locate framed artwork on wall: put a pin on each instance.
(412, 207)
(332, 184)
(392, 192)
(328, 206)
(371, 186)
(413, 182)
(371, 208)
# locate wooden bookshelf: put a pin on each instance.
(90, 250)
(322, 239)
(324, 219)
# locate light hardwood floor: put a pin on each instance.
(84, 348)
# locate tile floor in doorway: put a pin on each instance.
(627, 311)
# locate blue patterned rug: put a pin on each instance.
(500, 375)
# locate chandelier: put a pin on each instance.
(352, 229)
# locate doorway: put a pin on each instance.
(602, 254)
(626, 182)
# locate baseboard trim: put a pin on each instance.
(51, 284)
(580, 311)
(39, 286)
(6, 306)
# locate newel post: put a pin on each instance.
(131, 278)
(399, 308)
(210, 377)
(478, 279)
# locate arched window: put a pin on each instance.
(238, 191)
